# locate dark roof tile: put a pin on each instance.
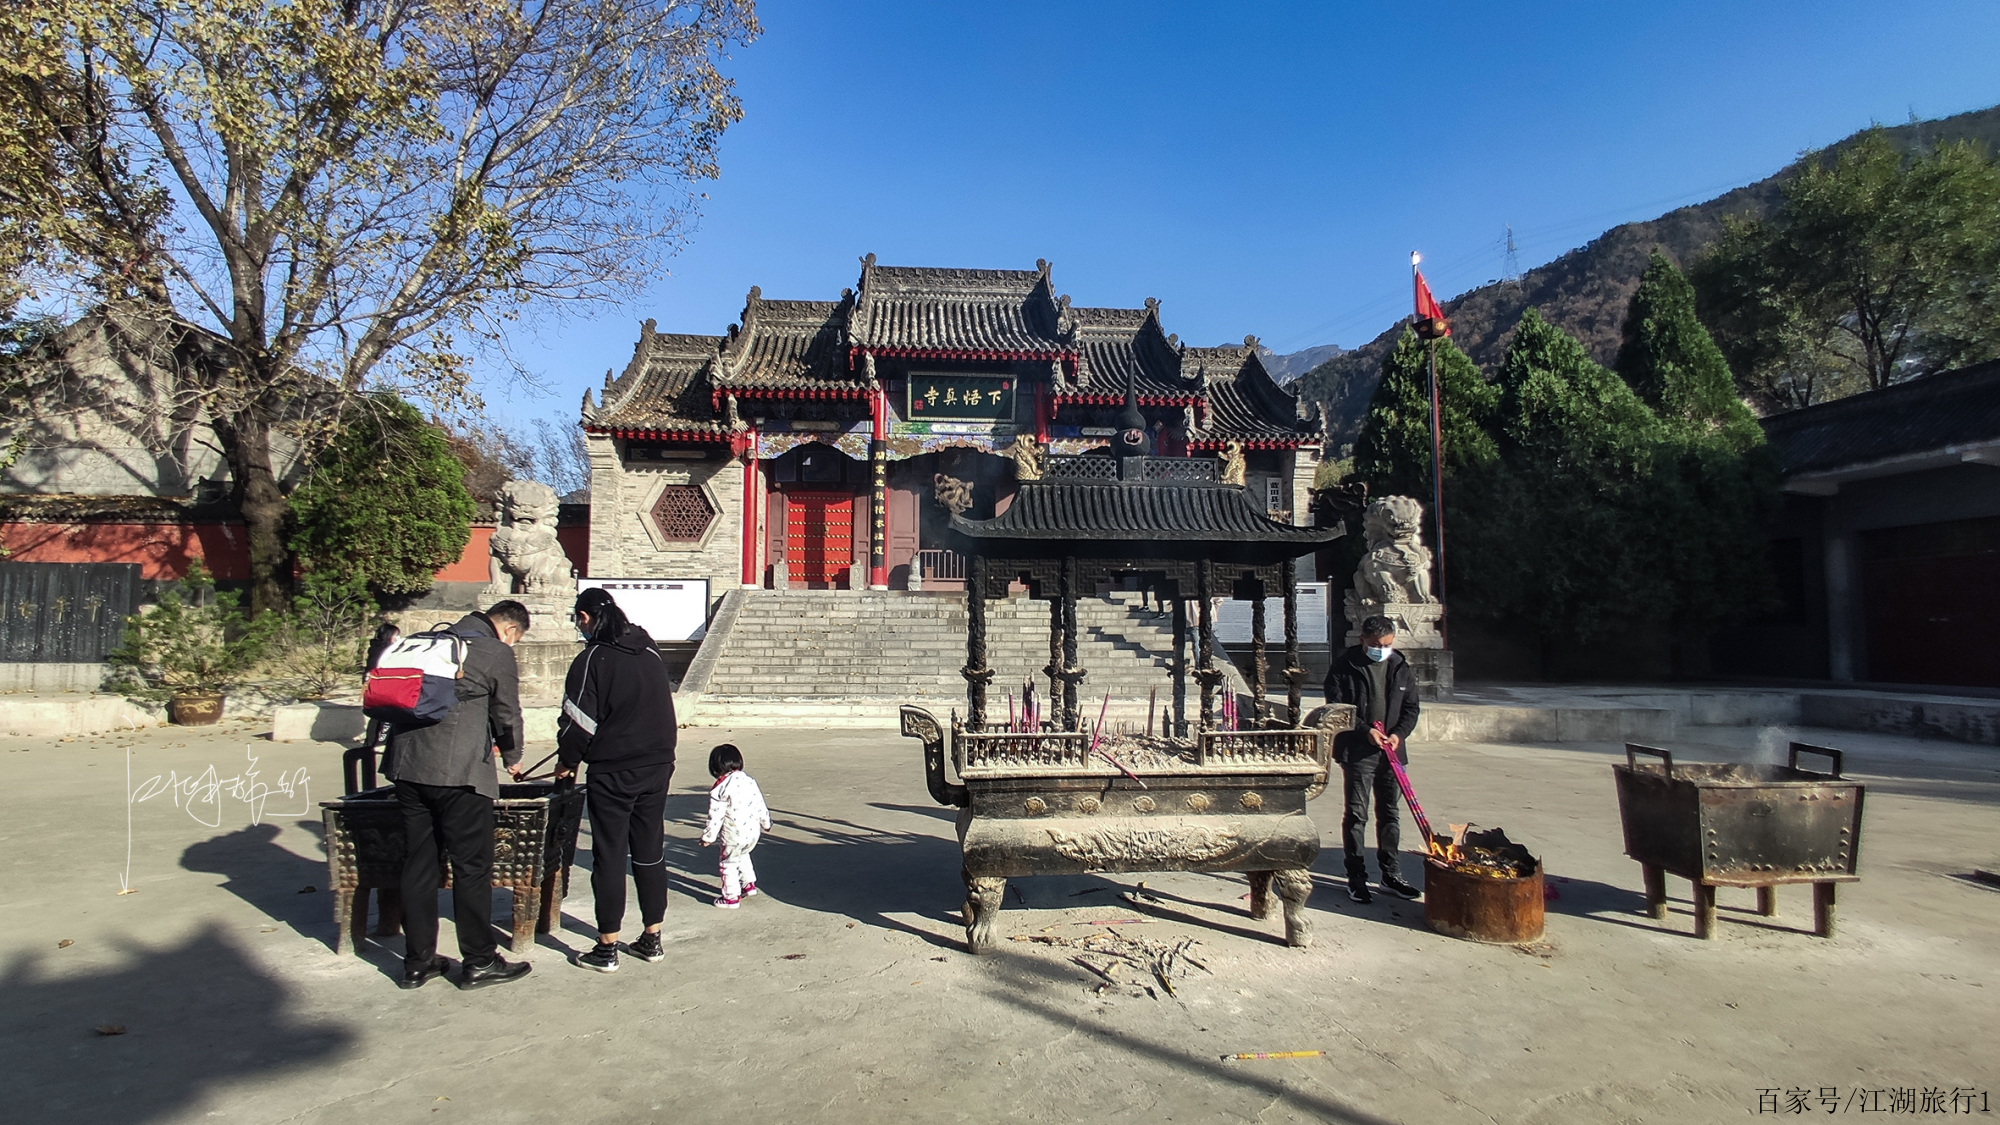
(908, 310)
(1096, 519)
(1113, 344)
(1244, 404)
(1921, 416)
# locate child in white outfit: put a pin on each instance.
(737, 816)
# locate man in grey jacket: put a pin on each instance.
(446, 784)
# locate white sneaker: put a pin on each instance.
(728, 903)
(750, 890)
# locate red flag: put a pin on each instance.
(1430, 315)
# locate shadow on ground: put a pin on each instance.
(269, 876)
(197, 1016)
(1040, 989)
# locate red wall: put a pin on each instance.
(576, 544)
(163, 550)
(471, 565)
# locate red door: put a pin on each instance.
(819, 537)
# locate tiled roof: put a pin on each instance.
(1115, 343)
(1002, 314)
(664, 388)
(1953, 408)
(1244, 404)
(1119, 519)
(794, 345)
(683, 383)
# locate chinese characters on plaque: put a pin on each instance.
(963, 398)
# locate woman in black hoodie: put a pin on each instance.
(618, 716)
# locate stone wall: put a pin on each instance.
(111, 419)
(621, 499)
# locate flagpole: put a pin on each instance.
(1437, 432)
(1437, 480)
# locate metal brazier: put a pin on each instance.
(534, 842)
(1739, 825)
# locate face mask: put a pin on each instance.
(1378, 655)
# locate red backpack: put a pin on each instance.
(415, 683)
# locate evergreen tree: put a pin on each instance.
(387, 501)
(1393, 453)
(1714, 482)
(1560, 540)
(1674, 364)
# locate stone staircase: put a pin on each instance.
(852, 658)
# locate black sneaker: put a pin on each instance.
(647, 948)
(1394, 885)
(602, 957)
(1357, 889)
(496, 970)
(418, 977)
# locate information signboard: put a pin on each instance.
(671, 609)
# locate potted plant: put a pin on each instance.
(191, 648)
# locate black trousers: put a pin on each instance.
(459, 822)
(1364, 777)
(628, 825)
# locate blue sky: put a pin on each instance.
(1261, 168)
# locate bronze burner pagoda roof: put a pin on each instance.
(1165, 509)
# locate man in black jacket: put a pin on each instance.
(1376, 679)
(618, 715)
(446, 784)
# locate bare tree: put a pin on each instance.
(562, 459)
(364, 189)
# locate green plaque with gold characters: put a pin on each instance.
(960, 398)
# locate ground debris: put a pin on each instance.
(1104, 953)
(109, 1029)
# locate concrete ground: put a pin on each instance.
(843, 994)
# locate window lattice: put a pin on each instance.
(683, 513)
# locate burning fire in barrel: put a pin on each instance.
(1481, 886)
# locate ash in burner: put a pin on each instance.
(1141, 752)
(1486, 854)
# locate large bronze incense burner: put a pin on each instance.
(1045, 804)
(1051, 797)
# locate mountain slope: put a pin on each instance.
(1585, 292)
(1287, 367)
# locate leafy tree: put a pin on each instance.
(1672, 361)
(71, 204)
(387, 501)
(1393, 453)
(323, 645)
(355, 184)
(1875, 268)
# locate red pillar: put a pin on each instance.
(753, 504)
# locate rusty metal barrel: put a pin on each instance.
(1475, 905)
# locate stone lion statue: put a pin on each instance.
(527, 560)
(1397, 568)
